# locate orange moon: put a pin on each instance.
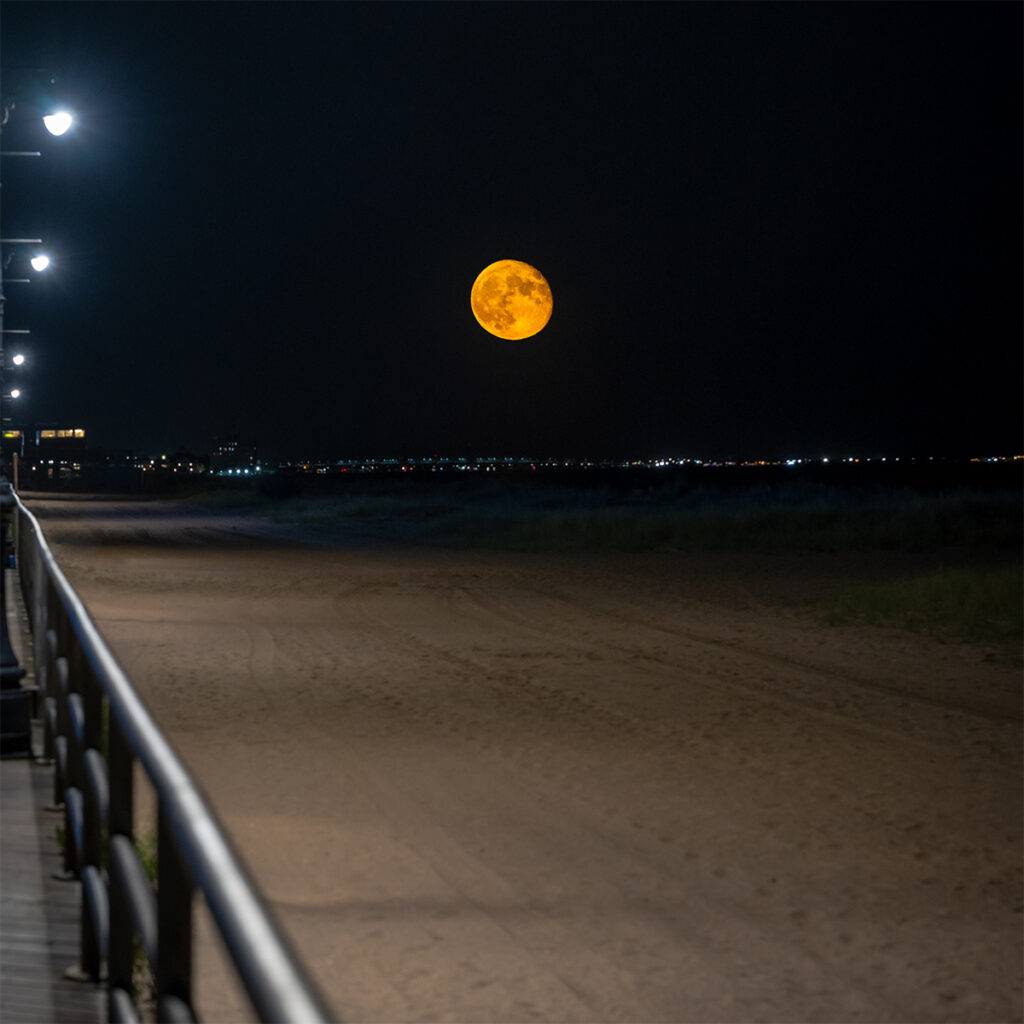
(511, 299)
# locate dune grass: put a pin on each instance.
(977, 599)
(783, 520)
(778, 523)
(982, 605)
(793, 518)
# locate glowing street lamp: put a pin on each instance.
(34, 92)
(16, 701)
(39, 261)
(37, 89)
(58, 122)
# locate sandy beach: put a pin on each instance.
(480, 786)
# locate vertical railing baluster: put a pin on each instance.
(40, 586)
(46, 673)
(120, 772)
(174, 917)
(92, 697)
(120, 768)
(75, 783)
(94, 896)
(61, 729)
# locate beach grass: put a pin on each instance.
(976, 535)
(541, 518)
(974, 604)
(751, 522)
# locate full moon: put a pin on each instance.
(511, 299)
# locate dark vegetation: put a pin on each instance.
(770, 509)
(955, 528)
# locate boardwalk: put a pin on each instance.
(38, 914)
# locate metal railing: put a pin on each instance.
(96, 729)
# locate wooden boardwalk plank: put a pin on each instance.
(38, 915)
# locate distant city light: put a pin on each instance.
(58, 122)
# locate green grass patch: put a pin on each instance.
(145, 850)
(976, 605)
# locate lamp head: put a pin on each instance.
(58, 122)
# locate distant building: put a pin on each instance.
(53, 453)
(181, 463)
(60, 441)
(233, 457)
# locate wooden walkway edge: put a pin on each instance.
(39, 915)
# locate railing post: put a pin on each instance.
(58, 717)
(76, 742)
(121, 950)
(88, 686)
(75, 794)
(95, 910)
(74, 823)
(120, 774)
(93, 928)
(174, 919)
(46, 673)
(40, 586)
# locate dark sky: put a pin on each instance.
(770, 229)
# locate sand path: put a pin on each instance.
(486, 787)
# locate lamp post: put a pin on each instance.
(40, 262)
(15, 701)
(35, 90)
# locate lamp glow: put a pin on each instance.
(18, 360)
(15, 393)
(40, 261)
(58, 122)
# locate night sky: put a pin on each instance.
(771, 230)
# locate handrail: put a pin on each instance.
(193, 850)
